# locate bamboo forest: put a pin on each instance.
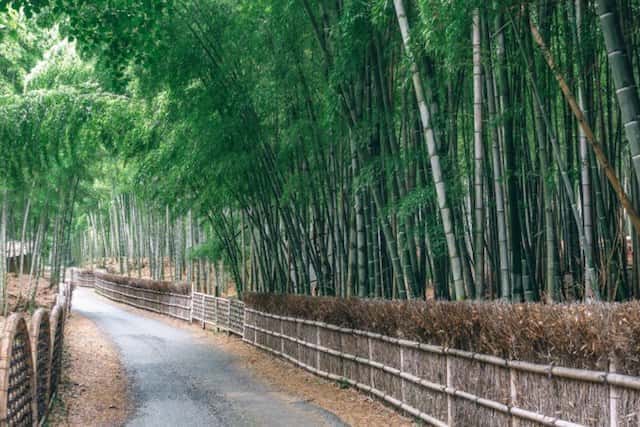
(433, 202)
(401, 150)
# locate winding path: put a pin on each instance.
(179, 381)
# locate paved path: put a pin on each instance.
(179, 381)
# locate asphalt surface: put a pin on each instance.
(179, 381)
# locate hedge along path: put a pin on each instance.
(41, 346)
(17, 379)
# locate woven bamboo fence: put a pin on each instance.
(444, 386)
(221, 313)
(40, 333)
(169, 304)
(30, 362)
(82, 278)
(17, 379)
(56, 321)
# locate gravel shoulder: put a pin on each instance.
(94, 388)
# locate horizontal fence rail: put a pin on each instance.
(446, 386)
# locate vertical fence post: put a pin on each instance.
(613, 398)
(282, 336)
(203, 317)
(402, 382)
(370, 356)
(228, 317)
(191, 308)
(244, 319)
(318, 344)
(449, 388)
(298, 357)
(255, 326)
(513, 394)
(217, 314)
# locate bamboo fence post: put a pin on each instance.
(342, 358)
(228, 317)
(215, 312)
(244, 321)
(318, 346)
(402, 382)
(298, 341)
(255, 324)
(203, 312)
(282, 336)
(513, 394)
(370, 359)
(449, 387)
(215, 318)
(613, 398)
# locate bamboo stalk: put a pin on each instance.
(584, 125)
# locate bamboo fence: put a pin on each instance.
(441, 386)
(169, 304)
(82, 278)
(40, 332)
(221, 313)
(444, 386)
(30, 362)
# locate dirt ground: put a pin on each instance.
(351, 406)
(17, 293)
(93, 391)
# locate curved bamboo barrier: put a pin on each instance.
(57, 338)
(17, 379)
(41, 349)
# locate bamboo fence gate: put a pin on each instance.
(441, 386)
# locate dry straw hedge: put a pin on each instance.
(583, 336)
(155, 285)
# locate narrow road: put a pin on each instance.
(179, 381)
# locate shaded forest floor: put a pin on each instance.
(18, 293)
(93, 391)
